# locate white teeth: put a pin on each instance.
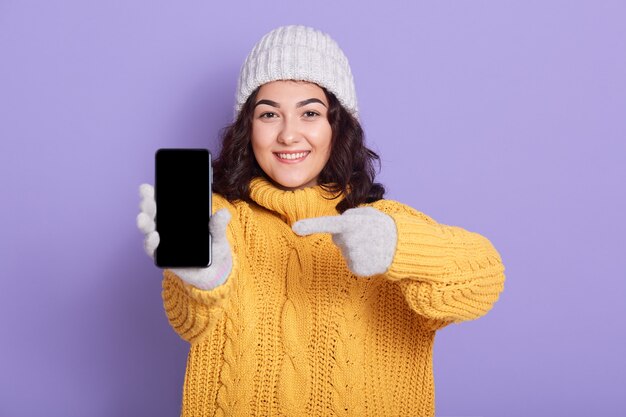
(292, 155)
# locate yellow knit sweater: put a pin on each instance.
(293, 332)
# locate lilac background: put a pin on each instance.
(506, 118)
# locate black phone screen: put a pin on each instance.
(183, 199)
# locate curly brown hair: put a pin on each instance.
(349, 172)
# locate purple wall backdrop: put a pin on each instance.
(506, 118)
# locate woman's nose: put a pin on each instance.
(289, 133)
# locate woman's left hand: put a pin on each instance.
(367, 237)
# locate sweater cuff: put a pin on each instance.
(208, 298)
(439, 253)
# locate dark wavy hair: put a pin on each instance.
(349, 172)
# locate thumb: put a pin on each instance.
(218, 223)
(325, 224)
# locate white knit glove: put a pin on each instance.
(222, 261)
(367, 238)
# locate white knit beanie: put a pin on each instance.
(298, 53)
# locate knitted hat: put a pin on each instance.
(298, 53)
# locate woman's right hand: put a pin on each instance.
(222, 261)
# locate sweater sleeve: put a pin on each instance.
(192, 312)
(447, 274)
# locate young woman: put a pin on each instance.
(323, 298)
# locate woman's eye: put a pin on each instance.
(267, 115)
(311, 113)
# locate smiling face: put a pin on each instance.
(291, 135)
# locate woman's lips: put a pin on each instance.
(291, 157)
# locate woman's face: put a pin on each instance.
(291, 134)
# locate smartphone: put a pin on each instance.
(183, 198)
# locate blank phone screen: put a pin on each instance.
(183, 199)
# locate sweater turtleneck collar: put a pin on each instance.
(293, 205)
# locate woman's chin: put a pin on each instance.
(291, 184)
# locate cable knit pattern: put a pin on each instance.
(292, 332)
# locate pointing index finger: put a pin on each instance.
(325, 224)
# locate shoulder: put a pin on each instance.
(219, 202)
(235, 207)
(393, 207)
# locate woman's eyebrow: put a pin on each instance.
(310, 100)
(268, 102)
(298, 104)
